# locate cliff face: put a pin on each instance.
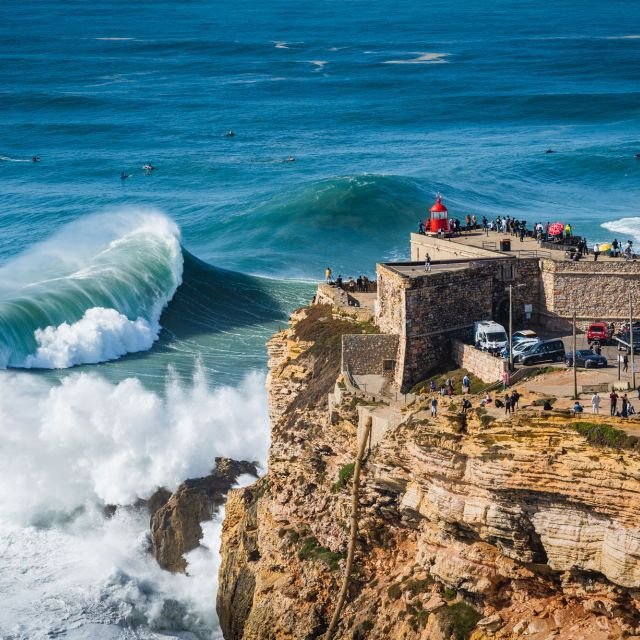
(469, 527)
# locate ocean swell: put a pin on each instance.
(92, 292)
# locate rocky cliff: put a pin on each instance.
(175, 518)
(470, 526)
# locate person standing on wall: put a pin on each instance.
(327, 275)
(596, 251)
(427, 263)
(434, 407)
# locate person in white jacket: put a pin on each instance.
(595, 402)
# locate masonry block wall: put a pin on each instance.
(367, 354)
(430, 310)
(482, 364)
(595, 290)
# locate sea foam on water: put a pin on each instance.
(70, 449)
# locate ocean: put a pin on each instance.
(134, 312)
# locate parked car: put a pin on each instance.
(599, 332)
(524, 335)
(586, 358)
(519, 348)
(546, 351)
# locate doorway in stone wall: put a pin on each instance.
(501, 313)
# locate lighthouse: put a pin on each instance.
(439, 218)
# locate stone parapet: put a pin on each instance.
(480, 363)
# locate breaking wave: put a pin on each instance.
(92, 292)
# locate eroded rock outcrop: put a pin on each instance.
(175, 520)
(473, 527)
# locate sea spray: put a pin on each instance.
(70, 449)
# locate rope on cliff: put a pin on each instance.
(355, 489)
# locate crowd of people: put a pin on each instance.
(361, 284)
(547, 232)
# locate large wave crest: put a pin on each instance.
(92, 292)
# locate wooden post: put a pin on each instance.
(333, 625)
(575, 371)
(633, 365)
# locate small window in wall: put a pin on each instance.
(388, 365)
(507, 272)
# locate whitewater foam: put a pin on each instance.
(101, 335)
(70, 449)
(627, 226)
(8, 159)
(319, 64)
(423, 58)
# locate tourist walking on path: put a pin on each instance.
(596, 251)
(327, 275)
(466, 384)
(613, 398)
(515, 397)
(434, 407)
(427, 263)
(625, 362)
(595, 403)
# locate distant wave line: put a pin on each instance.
(423, 58)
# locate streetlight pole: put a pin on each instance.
(633, 365)
(575, 371)
(510, 328)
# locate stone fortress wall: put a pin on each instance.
(425, 312)
(429, 310)
(594, 290)
(366, 354)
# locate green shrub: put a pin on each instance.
(604, 435)
(394, 591)
(449, 594)
(344, 476)
(311, 550)
(419, 586)
(458, 620)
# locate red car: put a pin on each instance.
(599, 331)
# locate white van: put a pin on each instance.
(489, 336)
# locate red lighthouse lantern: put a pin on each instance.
(439, 220)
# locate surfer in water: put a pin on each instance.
(35, 159)
(124, 176)
(549, 151)
(148, 167)
(229, 134)
(290, 159)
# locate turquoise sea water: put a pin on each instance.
(141, 306)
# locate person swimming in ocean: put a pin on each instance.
(124, 176)
(549, 151)
(148, 167)
(35, 159)
(230, 134)
(290, 159)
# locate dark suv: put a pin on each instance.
(547, 351)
